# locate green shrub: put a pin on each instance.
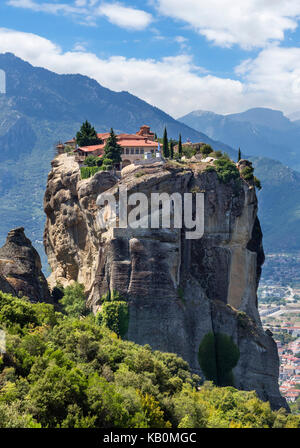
(218, 154)
(107, 164)
(226, 170)
(68, 149)
(188, 151)
(57, 293)
(91, 161)
(206, 150)
(208, 358)
(89, 171)
(257, 183)
(247, 173)
(139, 174)
(73, 301)
(115, 315)
(218, 355)
(62, 372)
(210, 169)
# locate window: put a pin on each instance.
(122, 151)
(127, 150)
(137, 150)
(132, 151)
(142, 151)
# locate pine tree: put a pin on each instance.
(180, 146)
(165, 144)
(112, 150)
(239, 155)
(87, 136)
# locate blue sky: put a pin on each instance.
(220, 55)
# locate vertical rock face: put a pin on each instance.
(21, 269)
(178, 289)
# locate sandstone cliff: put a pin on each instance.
(21, 269)
(178, 290)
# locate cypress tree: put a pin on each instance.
(180, 146)
(165, 144)
(172, 149)
(112, 150)
(239, 155)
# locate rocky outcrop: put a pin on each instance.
(178, 290)
(21, 269)
(5, 286)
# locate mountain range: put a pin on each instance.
(259, 132)
(41, 107)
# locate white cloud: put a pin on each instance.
(174, 84)
(125, 17)
(249, 23)
(274, 77)
(51, 8)
(88, 11)
(80, 46)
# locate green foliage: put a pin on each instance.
(180, 293)
(247, 172)
(92, 161)
(107, 164)
(57, 293)
(87, 136)
(17, 315)
(115, 315)
(188, 151)
(257, 183)
(68, 149)
(217, 154)
(239, 155)
(89, 171)
(73, 301)
(154, 415)
(206, 150)
(218, 355)
(172, 144)
(226, 170)
(112, 150)
(165, 149)
(210, 169)
(180, 145)
(61, 372)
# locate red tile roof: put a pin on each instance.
(91, 148)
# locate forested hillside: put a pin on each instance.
(70, 371)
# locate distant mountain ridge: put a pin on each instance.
(260, 132)
(41, 94)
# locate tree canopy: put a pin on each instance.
(166, 152)
(87, 136)
(112, 150)
(61, 371)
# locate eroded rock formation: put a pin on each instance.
(178, 290)
(21, 269)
